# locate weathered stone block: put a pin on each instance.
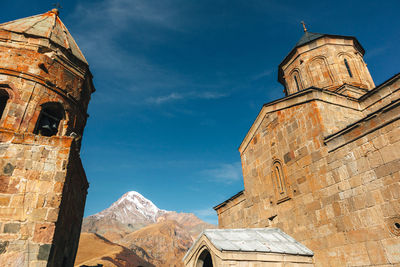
(3, 246)
(43, 232)
(4, 200)
(8, 169)
(44, 252)
(12, 228)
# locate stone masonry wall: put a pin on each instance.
(33, 170)
(344, 194)
(71, 213)
(293, 136)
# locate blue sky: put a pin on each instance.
(179, 83)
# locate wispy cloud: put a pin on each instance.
(377, 51)
(184, 96)
(122, 13)
(208, 214)
(225, 172)
(262, 74)
(113, 35)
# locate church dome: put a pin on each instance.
(324, 61)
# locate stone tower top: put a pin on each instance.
(325, 61)
(40, 49)
(50, 30)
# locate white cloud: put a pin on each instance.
(119, 14)
(189, 95)
(225, 172)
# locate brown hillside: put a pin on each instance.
(189, 221)
(165, 243)
(94, 249)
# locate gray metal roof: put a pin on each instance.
(308, 37)
(271, 240)
(49, 26)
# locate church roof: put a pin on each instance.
(308, 37)
(268, 240)
(49, 26)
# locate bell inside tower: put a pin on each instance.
(49, 120)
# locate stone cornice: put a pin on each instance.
(228, 200)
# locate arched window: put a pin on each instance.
(297, 83)
(3, 101)
(348, 68)
(280, 182)
(49, 119)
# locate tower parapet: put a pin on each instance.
(45, 88)
(330, 62)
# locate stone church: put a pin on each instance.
(45, 88)
(322, 164)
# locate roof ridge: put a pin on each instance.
(54, 24)
(66, 32)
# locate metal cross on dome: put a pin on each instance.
(304, 26)
(57, 5)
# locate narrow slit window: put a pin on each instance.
(279, 179)
(3, 102)
(297, 82)
(49, 120)
(348, 68)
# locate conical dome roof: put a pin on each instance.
(308, 37)
(49, 26)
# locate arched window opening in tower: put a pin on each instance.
(297, 83)
(348, 68)
(3, 101)
(49, 119)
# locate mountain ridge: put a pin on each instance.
(135, 223)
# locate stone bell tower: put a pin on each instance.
(45, 88)
(330, 62)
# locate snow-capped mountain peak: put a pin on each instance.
(132, 207)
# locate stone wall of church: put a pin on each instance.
(342, 197)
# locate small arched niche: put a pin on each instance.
(48, 123)
(320, 73)
(205, 259)
(279, 180)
